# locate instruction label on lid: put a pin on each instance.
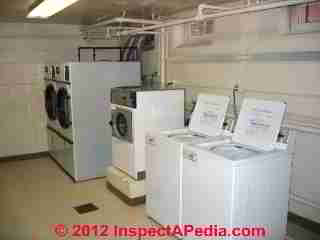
(209, 114)
(259, 123)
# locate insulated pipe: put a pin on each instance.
(206, 6)
(249, 9)
(144, 32)
(137, 20)
(124, 20)
(201, 7)
(163, 46)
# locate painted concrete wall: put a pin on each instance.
(23, 48)
(257, 52)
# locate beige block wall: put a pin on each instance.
(219, 66)
(23, 47)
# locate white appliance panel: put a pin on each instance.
(163, 156)
(206, 190)
(209, 114)
(91, 85)
(156, 110)
(259, 123)
(237, 184)
(122, 154)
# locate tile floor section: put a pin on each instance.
(35, 195)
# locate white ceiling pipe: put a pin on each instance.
(206, 6)
(148, 32)
(163, 25)
(139, 21)
(140, 32)
(249, 9)
(120, 28)
(202, 7)
(124, 20)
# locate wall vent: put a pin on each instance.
(200, 28)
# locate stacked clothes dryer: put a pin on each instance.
(79, 137)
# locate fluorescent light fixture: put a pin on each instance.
(47, 8)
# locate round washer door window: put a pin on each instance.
(50, 102)
(63, 108)
(122, 125)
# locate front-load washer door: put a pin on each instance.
(50, 102)
(122, 124)
(64, 108)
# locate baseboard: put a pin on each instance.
(130, 201)
(304, 222)
(24, 157)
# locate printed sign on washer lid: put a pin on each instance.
(259, 123)
(208, 115)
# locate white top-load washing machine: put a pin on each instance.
(136, 111)
(244, 183)
(164, 157)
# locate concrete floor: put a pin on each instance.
(297, 232)
(36, 195)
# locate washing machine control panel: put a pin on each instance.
(125, 96)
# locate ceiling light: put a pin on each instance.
(47, 8)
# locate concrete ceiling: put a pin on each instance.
(88, 11)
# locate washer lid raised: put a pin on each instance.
(208, 115)
(259, 123)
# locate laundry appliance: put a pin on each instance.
(50, 95)
(165, 154)
(51, 77)
(243, 183)
(81, 143)
(136, 111)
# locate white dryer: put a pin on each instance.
(50, 95)
(136, 111)
(244, 183)
(51, 78)
(82, 141)
(165, 154)
(64, 110)
(50, 102)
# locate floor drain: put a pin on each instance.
(86, 208)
